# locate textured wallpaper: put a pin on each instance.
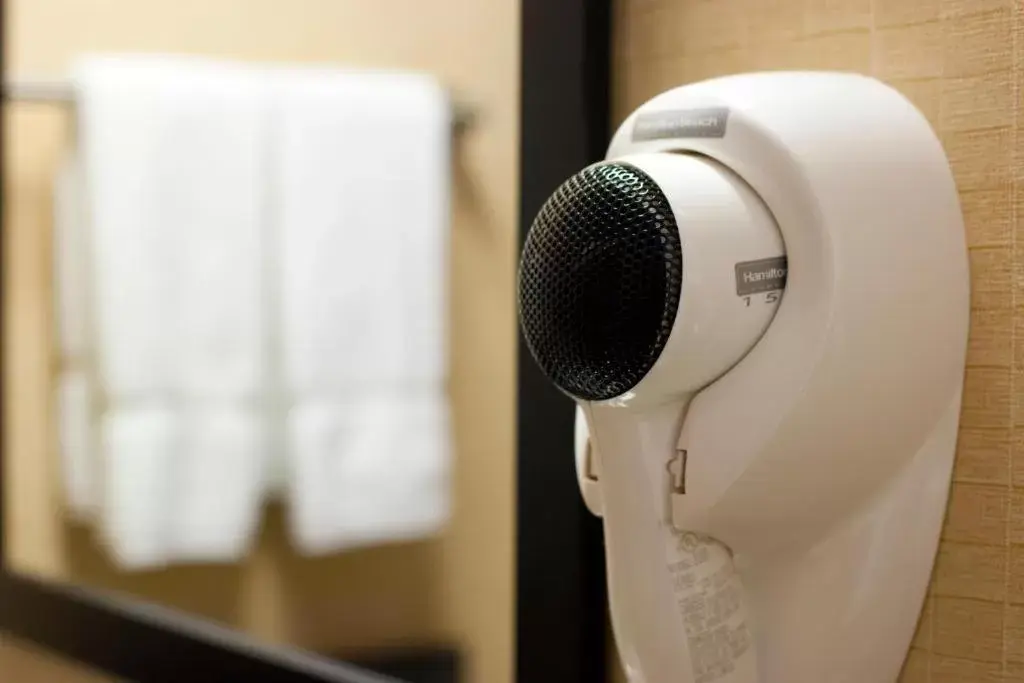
(962, 63)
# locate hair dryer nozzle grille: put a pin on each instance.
(599, 281)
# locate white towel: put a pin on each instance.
(363, 211)
(214, 517)
(173, 152)
(371, 471)
(362, 208)
(74, 390)
(76, 447)
(139, 445)
(71, 263)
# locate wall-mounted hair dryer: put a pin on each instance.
(760, 303)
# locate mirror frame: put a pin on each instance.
(565, 125)
(560, 629)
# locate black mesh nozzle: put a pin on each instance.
(599, 281)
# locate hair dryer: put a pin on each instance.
(759, 302)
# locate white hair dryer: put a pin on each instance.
(759, 302)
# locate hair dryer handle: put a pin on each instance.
(678, 609)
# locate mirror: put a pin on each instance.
(371, 595)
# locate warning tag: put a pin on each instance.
(710, 599)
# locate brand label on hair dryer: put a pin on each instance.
(706, 122)
(763, 275)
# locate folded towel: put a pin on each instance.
(139, 446)
(71, 263)
(362, 211)
(75, 445)
(212, 517)
(369, 472)
(74, 388)
(199, 332)
(173, 154)
(363, 214)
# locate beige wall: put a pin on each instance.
(459, 588)
(962, 63)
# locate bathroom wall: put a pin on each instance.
(458, 589)
(962, 63)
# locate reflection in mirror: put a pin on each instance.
(259, 316)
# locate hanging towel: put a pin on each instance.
(138, 444)
(215, 519)
(76, 447)
(173, 159)
(371, 471)
(362, 215)
(71, 262)
(73, 402)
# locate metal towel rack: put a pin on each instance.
(61, 92)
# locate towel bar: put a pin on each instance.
(62, 92)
